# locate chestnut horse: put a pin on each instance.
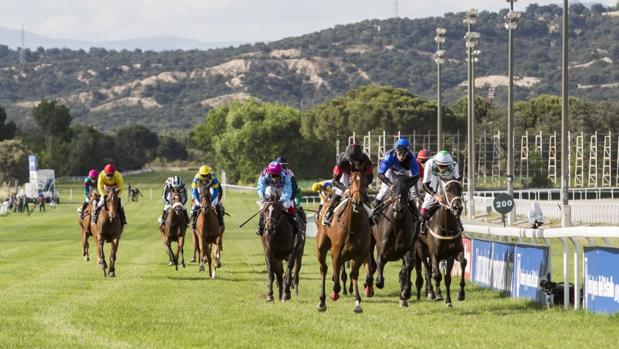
(173, 230)
(443, 240)
(208, 233)
(394, 236)
(348, 237)
(108, 229)
(84, 223)
(278, 243)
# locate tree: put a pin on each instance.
(134, 146)
(7, 129)
(53, 120)
(171, 149)
(13, 160)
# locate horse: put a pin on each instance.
(348, 237)
(443, 240)
(173, 230)
(108, 229)
(394, 236)
(40, 203)
(299, 250)
(278, 243)
(207, 233)
(84, 223)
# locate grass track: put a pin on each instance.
(50, 297)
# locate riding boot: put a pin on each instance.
(424, 220)
(220, 216)
(84, 204)
(123, 218)
(260, 226)
(194, 214)
(186, 215)
(376, 211)
(332, 205)
(95, 214)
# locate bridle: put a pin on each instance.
(274, 222)
(449, 201)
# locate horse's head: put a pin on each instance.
(112, 203)
(176, 202)
(272, 194)
(205, 198)
(453, 196)
(400, 194)
(357, 190)
(272, 212)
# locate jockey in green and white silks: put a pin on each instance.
(440, 168)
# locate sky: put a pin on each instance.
(217, 20)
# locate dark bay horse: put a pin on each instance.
(278, 242)
(348, 238)
(443, 240)
(173, 230)
(108, 229)
(84, 223)
(394, 236)
(208, 233)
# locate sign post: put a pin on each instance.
(503, 203)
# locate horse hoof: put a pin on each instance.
(460, 295)
(213, 275)
(431, 297)
(201, 268)
(86, 258)
(334, 296)
(270, 299)
(183, 264)
(438, 298)
(112, 274)
(170, 263)
(193, 260)
(358, 308)
(322, 307)
(218, 264)
(403, 303)
(380, 284)
(449, 305)
(369, 292)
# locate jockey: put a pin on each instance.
(422, 157)
(276, 178)
(297, 195)
(352, 160)
(440, 167)
(398, 161)
(109, 178)
(206, 178)
(173, 183)
(325, 190)
(90, 185)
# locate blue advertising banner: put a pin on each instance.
(480, 270)
(502, 266)
(602, 279)
(531, 266)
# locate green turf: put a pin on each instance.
(50, 297)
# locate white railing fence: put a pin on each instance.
(573, 234)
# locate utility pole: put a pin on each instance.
(566, 214)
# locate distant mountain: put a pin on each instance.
(175, 89)
(12, 39)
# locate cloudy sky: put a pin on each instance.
(215, 20)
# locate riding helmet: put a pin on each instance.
(205, 170)
(109, 169)
(443, 158)
(424, 154)
(354, 152)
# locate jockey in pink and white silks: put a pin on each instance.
(274, 182)
(440, 168)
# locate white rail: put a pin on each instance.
(583, 212)
(563, 234)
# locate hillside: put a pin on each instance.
(174, 89)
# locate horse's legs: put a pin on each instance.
(85, 244)
(419, 279)
(337, 265)
(297, 270)
(218, 252)
(202, 247)
(115, 242)
(405, 278)
(195, 243)
(322, 245)
(180, 250)
(209, 259)
(101, 254)
(450, 265)
(463, 262)
(269, 261)
(436, 275)
(380, 264)
(279, 276)
(344, 278)
(354, 276)
(371, 269)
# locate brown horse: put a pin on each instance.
(108, 229)
(299, 250)
(84, 223)
(40, 203)
(208, 233)
(394, 236)
(173, 230)
(278, 243)
(348, 237)
(443, 240)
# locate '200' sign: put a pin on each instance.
(503, 203)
